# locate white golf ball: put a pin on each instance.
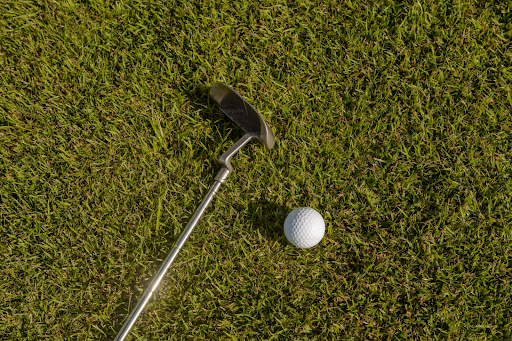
(304, 227)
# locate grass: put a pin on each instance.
(392, 119)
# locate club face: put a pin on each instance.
(241, 112)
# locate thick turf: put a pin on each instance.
(392, 119)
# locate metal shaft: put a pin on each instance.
(219, 179)
(170, 258)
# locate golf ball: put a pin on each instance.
(304, 227)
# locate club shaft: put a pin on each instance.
(168, 261)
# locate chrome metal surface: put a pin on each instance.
(225, 159)
(167, 263)
(241, 112)
(222, 175)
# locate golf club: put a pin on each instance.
(251, 121)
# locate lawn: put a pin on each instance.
(392, 119)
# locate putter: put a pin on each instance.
(251, 121)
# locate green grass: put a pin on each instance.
(392, 119)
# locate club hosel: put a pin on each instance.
(222, 175)
(225, 159)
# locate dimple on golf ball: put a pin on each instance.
(304, 227)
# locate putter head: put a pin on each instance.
(242, 113)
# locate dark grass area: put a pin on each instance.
(392, 119)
